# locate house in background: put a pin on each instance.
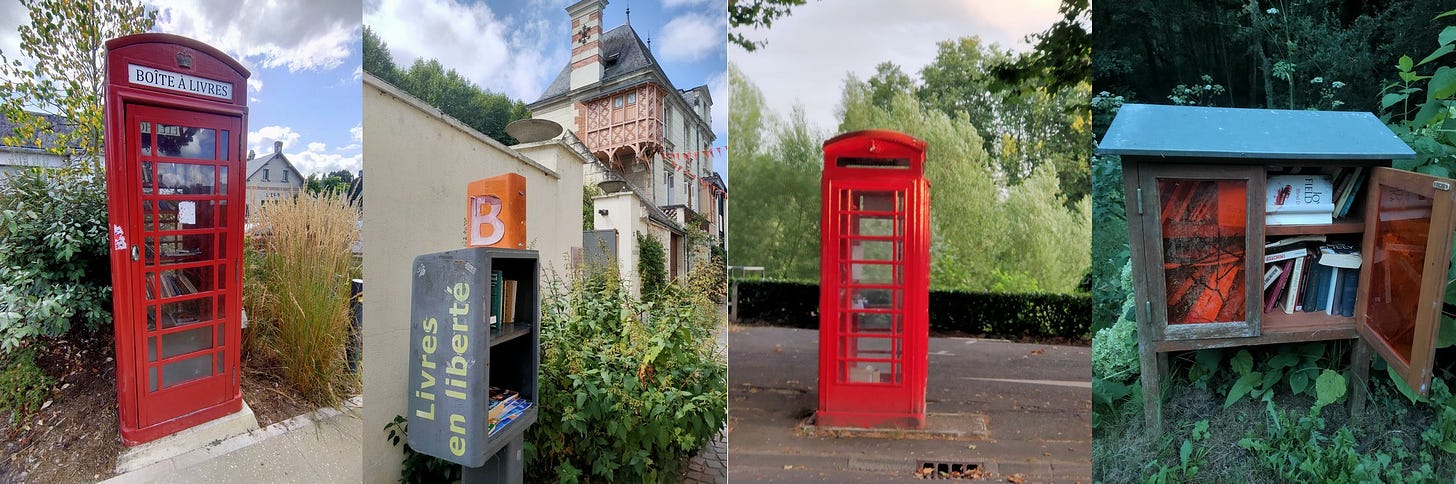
(14, 158)
(650, 141)
(272, 177)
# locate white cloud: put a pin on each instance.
(666, 4)
(356, 133)
(255, 84)
(261, 141)
(314, 162)
(12, 16)
(691, 37)
(718, 89)
(498, 53)
(315, 156)
(810, 51)
(314, 35)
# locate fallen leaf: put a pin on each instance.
(1016, 478)
(1037, 352)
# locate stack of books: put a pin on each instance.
(1312, 198)
(505, 407)
(1307, 274)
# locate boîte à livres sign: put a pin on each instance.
(177, 81)
(449, 363)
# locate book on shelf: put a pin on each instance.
(1272, 274)
(1299, 200)
(1346, 198)
(1286, 255)
(1271, 299)
(1295, 240)
(1296, 279)
(1342, 255)
(508, 301)
(505, 407)
(1349, 280)
(1319, 280)
(495, 298)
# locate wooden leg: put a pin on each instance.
(1154, 367)
(1360, 367)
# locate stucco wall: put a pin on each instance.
(426, 160)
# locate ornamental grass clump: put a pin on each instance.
(297, 293)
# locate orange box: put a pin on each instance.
(497, 208)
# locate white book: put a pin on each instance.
(1332, 307)
(1299, 200)
(1292, 294)
(1272, 275)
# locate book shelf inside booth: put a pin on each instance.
(1276, 326)
(514, 355)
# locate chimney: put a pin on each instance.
(278, 147)
(250, 154)
(586, 46)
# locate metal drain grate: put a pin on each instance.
(949, 470)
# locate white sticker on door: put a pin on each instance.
(187, 213)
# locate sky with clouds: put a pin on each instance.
(810, 52)
(305, 62)
(516, 47)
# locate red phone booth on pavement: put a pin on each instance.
(874, 283)
(176, 122)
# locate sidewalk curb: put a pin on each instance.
(151, 472)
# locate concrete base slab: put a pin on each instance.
(938, 426)
(210, 433)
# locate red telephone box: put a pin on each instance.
(874, 284)
(176, 122)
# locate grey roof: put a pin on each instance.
(258, 162)
(48, 139)
(1190, 131)
(622, 53)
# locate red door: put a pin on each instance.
(182, 173)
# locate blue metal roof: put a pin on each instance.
(1191, 131)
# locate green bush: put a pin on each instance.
(297, 293)
(54, 270)
(23, 387)
(627, 388)
(651, 265)
(1115, 348)
(1028, 315)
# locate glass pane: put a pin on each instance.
(877, 201)
(876, 226)
(185, 214)
(222, 145)
(866, 298)
(221, 333)
(871, 323)
(222, 180)
(874, 250)
(146, 177)
(181, 282)
(221, 307)
(152, 379)
(886, 274)
(151, 318)
(186, 312)
(179, 372)
(872, 347)
(152, 348)
(1203, 225)
(221, 214)
(146, 139)
(178, 249)
(222, 276)
(184, 342)
(1398, 261)
(870, 372)
(179, 179)
(221, 359)
(186, 142)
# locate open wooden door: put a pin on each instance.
(1408, 219)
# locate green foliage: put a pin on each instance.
(1191, 454)
(755, 14)
(628, 387)
(1002, 315)
(296, 292)
(588, 207)
(456, 96)
(417, 467)
(776, 167)
(651, 265)
(54, 270)
(1302, 366)
(1203, 94)
(23, 386)
(1115, 352)
(983, 232)
(66, 83)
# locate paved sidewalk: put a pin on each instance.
(317, 448)
(1036, 400)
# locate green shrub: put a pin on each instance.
(54, 270)
(1029, 315)
(1115, 348)
(23, 387)
(627, 388)
(297, 292)
(418, 467)
(651, 265)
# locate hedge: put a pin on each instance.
(1014, 316)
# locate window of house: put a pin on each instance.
(265, 174)
(617, 102)
(667, 118)
(631, 98)
(285, 176)
(685, 130)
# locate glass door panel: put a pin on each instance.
(871, 259)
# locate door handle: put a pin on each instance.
(135, 253)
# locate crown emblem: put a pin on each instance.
(184, 60)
